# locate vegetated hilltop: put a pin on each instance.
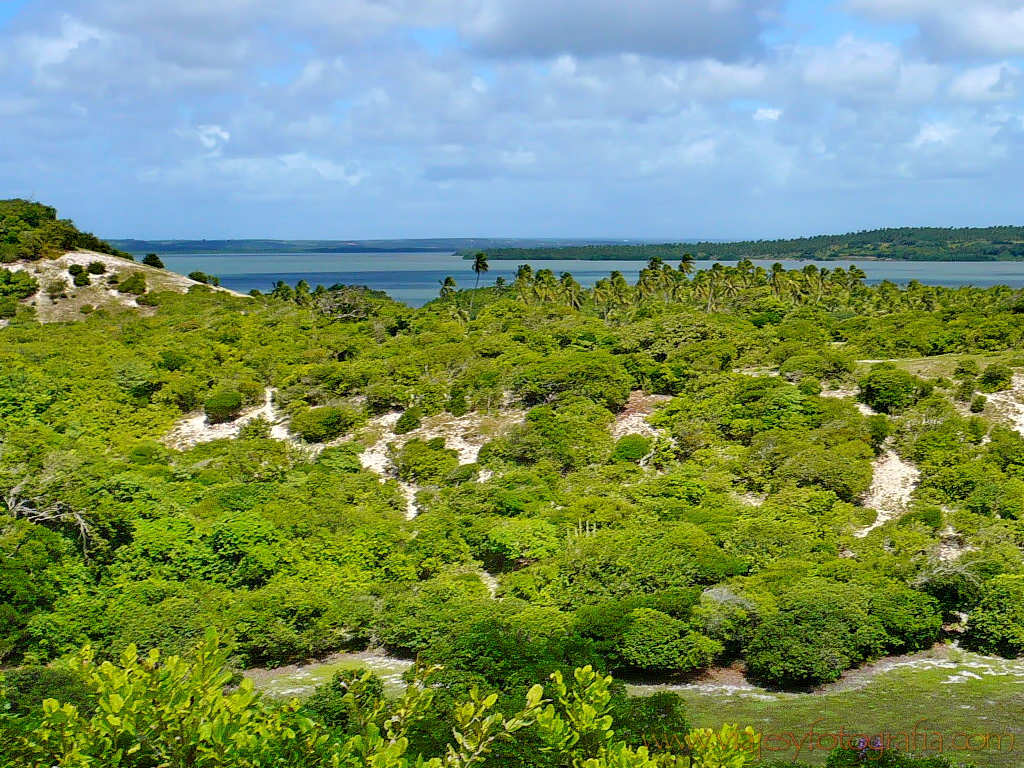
(62, 274)
(905, 244)
(729, 529)
(30, 230)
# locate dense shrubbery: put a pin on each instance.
(30, 230)
(642, 555)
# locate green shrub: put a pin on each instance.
(8, 307)
(76, 269)
(889, 389)
(135, 284)
(631, 448)
(56, 289)
(995, 378)
(17, 285)
(997, 624)
(809, 385)
(978, 404)
(96, 268)
(152, 260)
(223, 405)
(426, 461)
(81, 279)
(339, 703)
(319, 425)
(410, 419)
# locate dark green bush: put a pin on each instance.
(631, 448)
(978, 403)
(152, 260)
(337, 704)
(410, 419)
(995, 378)
(889, 389)
(318, 425)
(76, 269)
(223, 405)
(81, 279)
(96, 268)
(135, 284)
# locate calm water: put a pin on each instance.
(414, 277)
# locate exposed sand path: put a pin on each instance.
(892, 486)
(194, 429)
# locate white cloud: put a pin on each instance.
(769, 115)
(956, 27)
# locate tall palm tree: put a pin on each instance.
(545, 287)
(778, 280)
(570, 291)
(602, 295)
(523, 284)
(687, 264)
(448, 287)
(480, 266)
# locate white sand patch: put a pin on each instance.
(850, 394)
(490, 582)
(892, 486)
(465, 435)
(99, 293)
(952, 544)
(633, 419)
(194, 429)
(1009, 405)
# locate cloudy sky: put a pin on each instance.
(603, 118)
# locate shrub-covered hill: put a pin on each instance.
(30, 230)
(727, 527)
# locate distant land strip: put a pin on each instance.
(428, 245)
(903, 244)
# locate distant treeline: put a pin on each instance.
(428, 245)
(905, 243)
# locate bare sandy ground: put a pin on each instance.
(99, 294)
(194, 428)
(1009, 405)
(633, 419)
(892, 487)
(464, 434)
(850, 394)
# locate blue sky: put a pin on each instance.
(432, 118)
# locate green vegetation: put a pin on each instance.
(906, 243)
(30, 230)
(638, 556)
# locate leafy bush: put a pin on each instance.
(135, 284)
(17, 285)
(978, 403)
(410, 419)
(81, 279)
(631, 448)
(426, 461)
(96, 268)
(319, 425)
(76, 269)
(223, 406)
(152, 260)
(997, 624)
(995, 378)
(889, 389)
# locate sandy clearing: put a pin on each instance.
(465, 435)
(892, 486)
(633, 419)
(1008, 405)
(850, 394)
(194, 429)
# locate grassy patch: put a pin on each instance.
(963, 694)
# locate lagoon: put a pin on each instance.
(414, 278)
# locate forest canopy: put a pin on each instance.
(903, 244)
